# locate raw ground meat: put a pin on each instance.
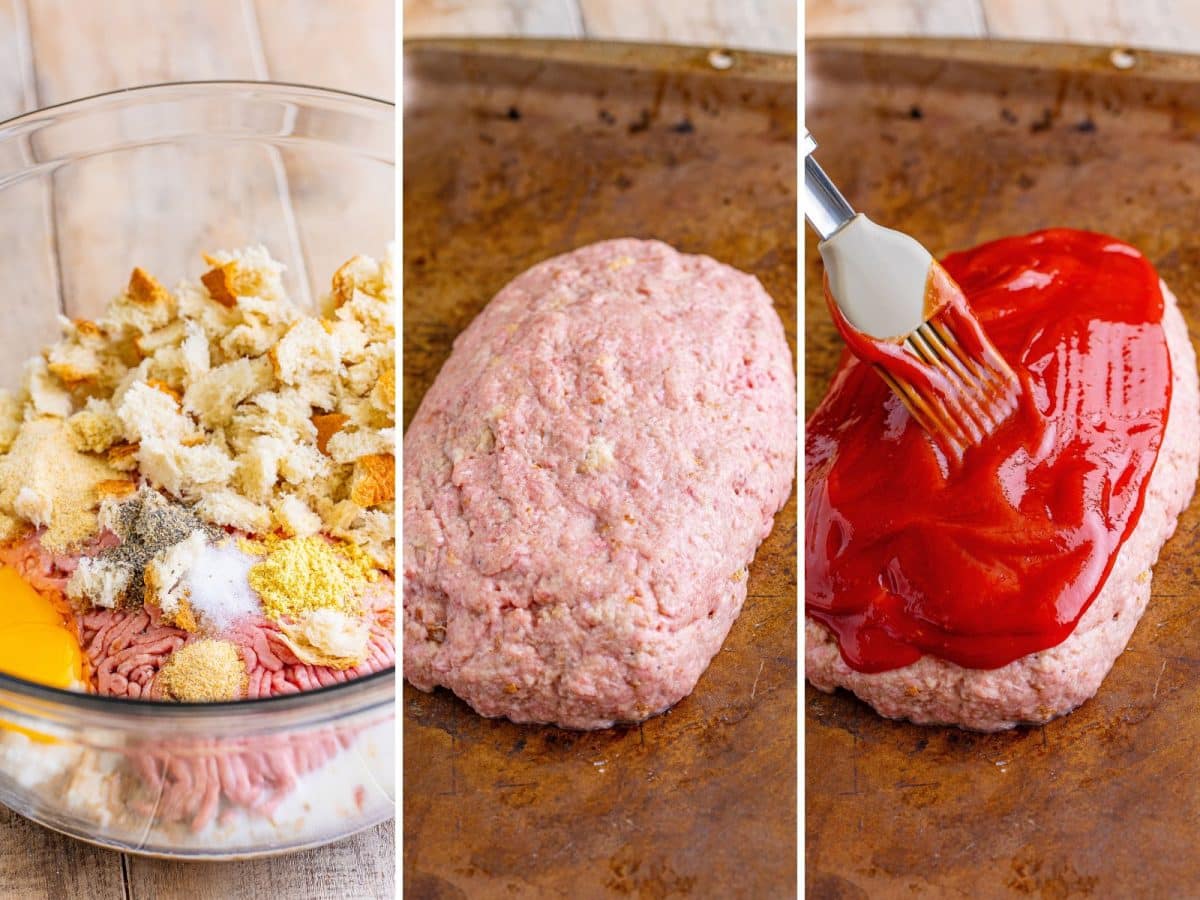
(123, 651)
(1050, 683)
(125, 648)
(587, 480)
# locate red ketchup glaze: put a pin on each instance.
(999, 556)
(928, 386)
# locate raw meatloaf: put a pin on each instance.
(587, 480)
(1049, 683)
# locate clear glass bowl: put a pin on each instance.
(154, 177)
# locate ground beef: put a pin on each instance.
(125, 648)
(190, 781)
(193, 781)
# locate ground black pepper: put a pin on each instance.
(147, 524)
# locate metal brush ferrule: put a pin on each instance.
(824, 206)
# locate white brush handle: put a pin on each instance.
(877, 277)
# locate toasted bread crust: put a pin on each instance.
(115, 488)
(145, 289)
(327, 425)
(374, 480)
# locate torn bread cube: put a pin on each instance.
(225, 507)
(84, 358)
(47, 396)
(182, 470)
(327, 425)
(166, 585)
(144, 307)
(306, 359)
(350, 444)
(356, 273)
(362, 377)
(100, 582)
(123, 456)
(213, 396)
(258, 466)
(383, 395)
(249, 272)
(115, 489)
(170, 335)
(148, 412)
(294, 517)
(303, 463)
(374, 480)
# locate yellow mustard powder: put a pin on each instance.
(299, 575)
(204, 671)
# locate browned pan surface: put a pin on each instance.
(513, 152)
(958, 143)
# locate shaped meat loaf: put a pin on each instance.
(1043, 685)
(588, 479)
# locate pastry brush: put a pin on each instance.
(899, 310)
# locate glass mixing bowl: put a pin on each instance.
(154, 177)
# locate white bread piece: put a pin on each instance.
(303, 463)
(170, 335)
(225, 507)
(213, 396)
(306, 358)
(46, 394)
(293, 516)
(165, 584)
(347, 445)
(258, 466)
(144, 307)
(99, 582)
(149, 413)
(184, 471)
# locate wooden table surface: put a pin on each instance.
(1160, 25)
(760, 25)
(56, 50)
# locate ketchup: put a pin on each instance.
(931, 394)
(998, 555)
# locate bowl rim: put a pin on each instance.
(159, 86)
(303, 700)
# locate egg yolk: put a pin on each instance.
(34, 642)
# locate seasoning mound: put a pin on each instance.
(217, 586)
(203, 671)
(49, 484)
(147, 526)
(299, 575)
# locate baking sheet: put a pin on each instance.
(515, 151)
(959, 142)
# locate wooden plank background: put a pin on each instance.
(1155, 24)
(55, 50)
(749, 24)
